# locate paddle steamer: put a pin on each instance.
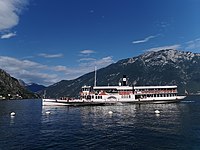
(122, 93)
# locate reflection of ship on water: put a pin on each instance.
(104, 111)
(134, 116)
(197, 93)
(100, 116)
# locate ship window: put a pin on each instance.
(125, 96)
(98, 97)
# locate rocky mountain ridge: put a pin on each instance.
(10, 88)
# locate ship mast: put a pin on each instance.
(44, 95)
(95, 76)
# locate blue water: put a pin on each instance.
(92, 127)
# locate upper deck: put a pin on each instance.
(155, 89)
(113, 87)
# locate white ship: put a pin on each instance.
(103, 95)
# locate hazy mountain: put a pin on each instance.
(33, 87)
(164, 67)
(10, 88)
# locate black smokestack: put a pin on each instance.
(124, 81)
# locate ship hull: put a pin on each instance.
(57, 102)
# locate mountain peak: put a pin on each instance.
(166, 56)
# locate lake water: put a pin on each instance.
(92, 127)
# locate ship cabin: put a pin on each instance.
(124, 91)
(154, 91)
(100, 92)
(85, 92)
(113, 89)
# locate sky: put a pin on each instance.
(46, 41)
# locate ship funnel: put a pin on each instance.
(124, 81)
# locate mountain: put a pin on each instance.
(164, 67)
(10, 88)
(33, 87)
(22, 83)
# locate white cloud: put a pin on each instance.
(26, 70)
(164, 24)
(103, 62)
(9, 13)
(87, 52)
(100, 63)
(8, 35)
(31, 71)
(50, 55)
(87, 59)
(145, 39)
(193, 45)
(9, 62)
(60, 68)
(165, 47)
(69, 73)
(85, 66)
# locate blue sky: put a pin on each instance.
(45, 41)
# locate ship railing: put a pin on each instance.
(125, 92)
(155, 92)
